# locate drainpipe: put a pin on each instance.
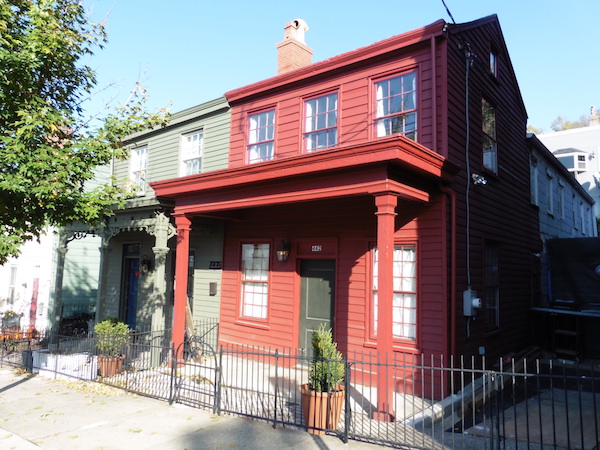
(452, 195)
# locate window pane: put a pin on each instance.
(261, 133)
(396, 100)
(255, 274)
(320, 122)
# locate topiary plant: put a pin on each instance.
(111, 335)
(326, 369)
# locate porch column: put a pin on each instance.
(61, 253)
(183, 225)
(163, 231)
(386, 215)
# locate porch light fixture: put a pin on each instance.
(478, 180)
(283, 251)
(145, 265)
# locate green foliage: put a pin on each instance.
(48, 149)
(327, 367)
(561, 124)
(111, 335)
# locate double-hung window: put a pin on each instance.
(191, 153)
(138, 166)
(255, 280)
(490, 150)
(492, 286)
(261, 136)
(320, 125)
(404, 309)
(396, 106)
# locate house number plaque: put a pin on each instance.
(317, 248)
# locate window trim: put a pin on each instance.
(136, 188)
(316, 131)
(399, 343)
(182, 147)
(258, 143)
(376, 118)
(486, 136)
(241, 317)
(491, 327)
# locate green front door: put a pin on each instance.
(317, 297)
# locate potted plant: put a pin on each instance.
(111, 335)
(323, 395)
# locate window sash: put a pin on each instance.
(396, 106)
(320, 122)
(192, 146)
(404, 308)
(139, 162)
(490, 149)
(261, 136)
(255, 276)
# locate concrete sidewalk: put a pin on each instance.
(36, 412)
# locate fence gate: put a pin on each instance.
(196, 379)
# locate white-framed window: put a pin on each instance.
(261, 136)
(404, 309)
(396, 106)
(533, 175)
(255, 280)
(492, 286)
(575, 162)
(549, 192)
(137, 168)
(192, 145)
(493, 67)
(12, 284)
(561, 199)
(488, 125)
(320, 122)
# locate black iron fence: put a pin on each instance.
(406, 402)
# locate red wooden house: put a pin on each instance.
(362, 192)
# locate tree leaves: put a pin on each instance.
(48, 151)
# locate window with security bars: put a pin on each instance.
(261, 136)
(404, 308)
(396, 106)
(191, 153)
(255, 280)
(320, 124)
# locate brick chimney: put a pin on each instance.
(293, 52)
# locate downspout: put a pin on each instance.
(434, 94)
(452, 195)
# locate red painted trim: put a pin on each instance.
(329, 65)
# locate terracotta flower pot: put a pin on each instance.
(322, 410)
(109, 366)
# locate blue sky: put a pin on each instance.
(191, 51)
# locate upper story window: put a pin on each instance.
(550, 192)
(191, 153)
(493, 64)
(261, 136)
(575, 162)
(490, 150)
(320, 122)
(396, 106)
(137, 169)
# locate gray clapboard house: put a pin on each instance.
(135, 248)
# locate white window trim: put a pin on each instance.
(138, 169)
(185, 147)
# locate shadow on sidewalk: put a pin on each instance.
(16, 383)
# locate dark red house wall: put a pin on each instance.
(303, 222)
(356, 103)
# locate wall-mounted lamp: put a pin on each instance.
(283, 251)
(478, 180)
(145, 265)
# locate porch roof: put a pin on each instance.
(344, 171)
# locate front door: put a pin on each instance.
(130, 290)
(317, 297)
